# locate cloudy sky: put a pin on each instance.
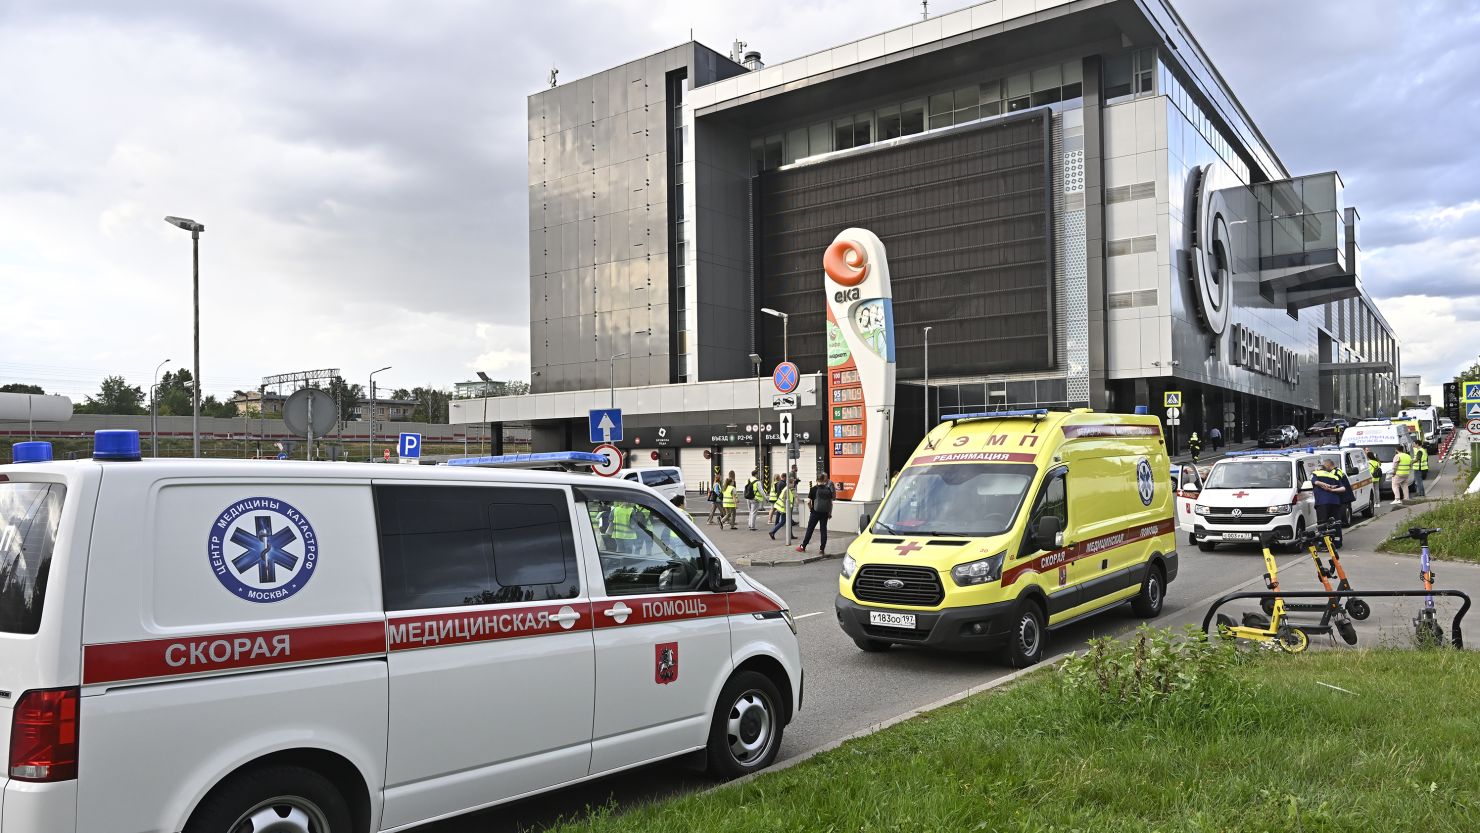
(360, 166)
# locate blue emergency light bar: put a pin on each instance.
(542, 460)
(1310, 449)
(31, 452)
(116, 444)
(1036, 413)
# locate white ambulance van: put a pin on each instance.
(229, 646)
(1383, 438)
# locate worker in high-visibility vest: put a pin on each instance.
(624, 527)
(1402, 476)
(729, 496)
(1376, 466)
(781, 501)
(1420, 469)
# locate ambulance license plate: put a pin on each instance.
(1238, 536)
(891, 620)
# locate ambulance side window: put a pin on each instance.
(641, 551)
(1053, 501)
(444, 546)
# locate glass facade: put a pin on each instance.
(963, 103)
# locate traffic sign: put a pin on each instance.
(613, 462)
(1472, 392)
(1171, 399)
(1474, 426)
(606, 425)
(409, 447)
(1174, 422)
(786, 377)
(786, 427)
(1174, 413)
(784, 402)
(1472, 410)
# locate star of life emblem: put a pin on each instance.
(262, 549)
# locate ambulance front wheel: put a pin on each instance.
(1026, 641)
(283, 799)
(1147, 604)
(745, 734)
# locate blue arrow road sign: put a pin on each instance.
(606, 425)
(409, 446)
(786, 377)
(1472, 392)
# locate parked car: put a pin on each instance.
(1326, 428)
(666, 480)
(1273, 438)
(1292, 434)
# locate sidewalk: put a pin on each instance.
(756, 549)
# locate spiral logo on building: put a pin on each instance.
(1145, 481)
(263, 549)
(845, 262)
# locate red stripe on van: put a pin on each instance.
(109, 663)
(751, 601)
(1089, 548)
(405, 632)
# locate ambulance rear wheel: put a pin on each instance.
(273, 799)
(745, 734)
(1147, 605)
(1027, 640)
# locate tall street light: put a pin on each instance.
(612, 383)
(755, 359)
(785, 354)
(371, 455)
(154, 408)
(927, 380)
(788, 497)
(195, 229)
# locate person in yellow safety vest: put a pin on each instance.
(755, 489)
(1402, 476)
(1376, 465)
(1420, 469)
(624, 527)
(782, 500)
(730, 498)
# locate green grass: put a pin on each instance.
(1460, 541)
(1273, 751)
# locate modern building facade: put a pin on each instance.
(1072, 200)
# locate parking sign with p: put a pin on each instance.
(408, 448)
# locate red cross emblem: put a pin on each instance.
(908, 547)
(1240, 494)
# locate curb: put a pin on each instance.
(746, 561)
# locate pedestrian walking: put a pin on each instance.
(819, 505)
(729, 500)
(1420, 469)
(1194, 446)
(755, 492)
(781, 500)
(714, 497)
(1376, 466)
(1332, 490)
(1402, 476)
(1215, 438)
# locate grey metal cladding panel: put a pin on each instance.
(964, 220)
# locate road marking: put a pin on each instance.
(805, 615)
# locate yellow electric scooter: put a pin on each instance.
(1274, 631)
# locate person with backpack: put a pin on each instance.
(729, 499)
(820, 505)
(714, 499)
(755, 492)
(1420, 469)
(782, 495)
(1376, 466)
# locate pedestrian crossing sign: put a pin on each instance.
(1472, 392)
(1172, 399)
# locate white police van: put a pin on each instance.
(223, 646)
(1250, 493)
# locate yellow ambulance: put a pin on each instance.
(1003, 526)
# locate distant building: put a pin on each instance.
(254, 403)
(392, 410)
(480, 387)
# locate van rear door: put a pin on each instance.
(43, 544)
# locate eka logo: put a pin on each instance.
(263, 549)
(1145, 482)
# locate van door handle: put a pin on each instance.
(619, 612)
(565, 616)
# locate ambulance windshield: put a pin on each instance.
(1272, 474)
(959, 500)
(29, 516)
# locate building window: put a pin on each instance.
(1130, 74)
(912, 117)
(889, 123)
(819, 139)
(843, 133)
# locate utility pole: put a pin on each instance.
(926, 412)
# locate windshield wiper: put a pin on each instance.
(888, 530)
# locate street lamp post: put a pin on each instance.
(755, 360)
(195, 229)
(789, 496)
(927, 380)
(612, 383)
(154, 409)
(371, 444)
(785, 354)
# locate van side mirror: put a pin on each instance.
(863, 522)
(714, 569)
(1050, 533)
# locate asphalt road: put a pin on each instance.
(848, 690)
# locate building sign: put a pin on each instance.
(860, 362)
(1252, 351)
